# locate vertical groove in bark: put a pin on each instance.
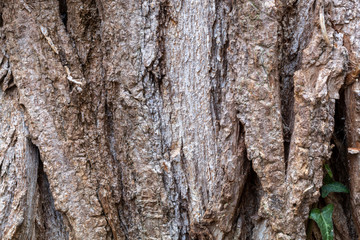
(218, 59)
(352, 102)
(248, 220)
(181, 195)
(343, 214)
(181, 113)
(347, 24)
(49, 222)
(316, 83)
(296, 29)
(344, 227)
(255, 70)
(1, 19)
(31, 162)
(241, 219)
(62, 145)
(63, 12)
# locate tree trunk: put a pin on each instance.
(175, 119)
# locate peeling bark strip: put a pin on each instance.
(176, 119)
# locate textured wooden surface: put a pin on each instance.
(175, 119)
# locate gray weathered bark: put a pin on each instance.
(174, 119)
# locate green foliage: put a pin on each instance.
(323, 218)
(328, 179)
(328, 170)
(333, 187)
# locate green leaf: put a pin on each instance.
(327, 179)
(333, 187)
(328, 170)
(323, 218)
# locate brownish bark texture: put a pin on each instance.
(176, 119)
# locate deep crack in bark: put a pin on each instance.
(52, 225)
(340, 167)
(63, 12)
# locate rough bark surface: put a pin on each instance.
(174, 119)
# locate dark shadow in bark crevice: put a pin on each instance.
(287, 69)
(339, 162)
(41, 220)
(218, 60)
(83, 28)
(249, 205)
(31, 159)
(294, 39)
(112, 147)
(184, 197)
(344, 227)
(52, 225)
(245, 218)
(63, 12)
(157, 70)
(1, 18)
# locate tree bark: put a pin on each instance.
(174, 119)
